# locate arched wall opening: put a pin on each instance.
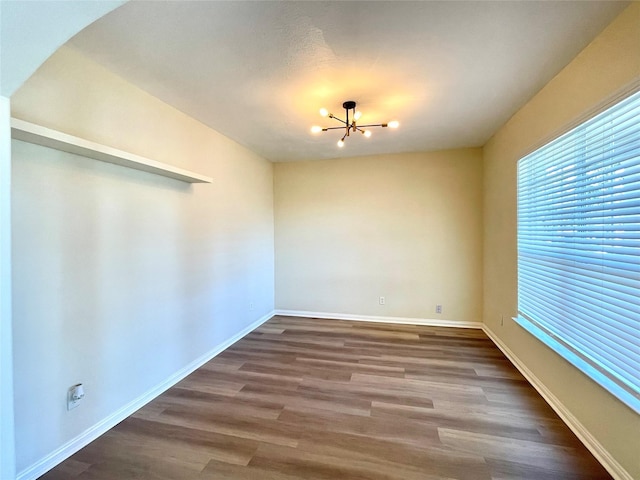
(29, 33)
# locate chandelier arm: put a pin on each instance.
(332, 128)
(374, 125)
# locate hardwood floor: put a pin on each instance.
(305, 398)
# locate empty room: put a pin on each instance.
(319, 240)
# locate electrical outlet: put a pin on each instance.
(75, 395)
(251, 306)
(382, 300)
(438, 308)
(502, 320)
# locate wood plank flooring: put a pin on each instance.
(304, 398)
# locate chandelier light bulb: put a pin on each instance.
(367, 133)
(394, 124)
(324, 112)
(357, 115)
(340, 143)
(316, 129)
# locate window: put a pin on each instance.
(579, 247)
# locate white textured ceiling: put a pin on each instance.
(451, 72)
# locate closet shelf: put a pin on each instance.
(32, 133)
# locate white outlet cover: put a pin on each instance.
(75, 395)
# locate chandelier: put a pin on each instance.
(349, 124)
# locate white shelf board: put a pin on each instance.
(32, 133)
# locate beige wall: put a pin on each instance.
(407, 227)
(122, 278)
(610, 63)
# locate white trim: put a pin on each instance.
(86, 437)
(616, 470)
(430, 322)
(7, 427)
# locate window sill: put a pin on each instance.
(626, 397)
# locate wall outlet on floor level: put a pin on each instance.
(438, 308)
(251, 306)
(382, 300)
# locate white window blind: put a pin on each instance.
(579, 247)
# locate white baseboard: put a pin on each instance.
(89, 435)
(602, 455)
(431, 322)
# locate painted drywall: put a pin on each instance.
(46, 25)
(407, 227)
(121, 278)
(610, 63)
